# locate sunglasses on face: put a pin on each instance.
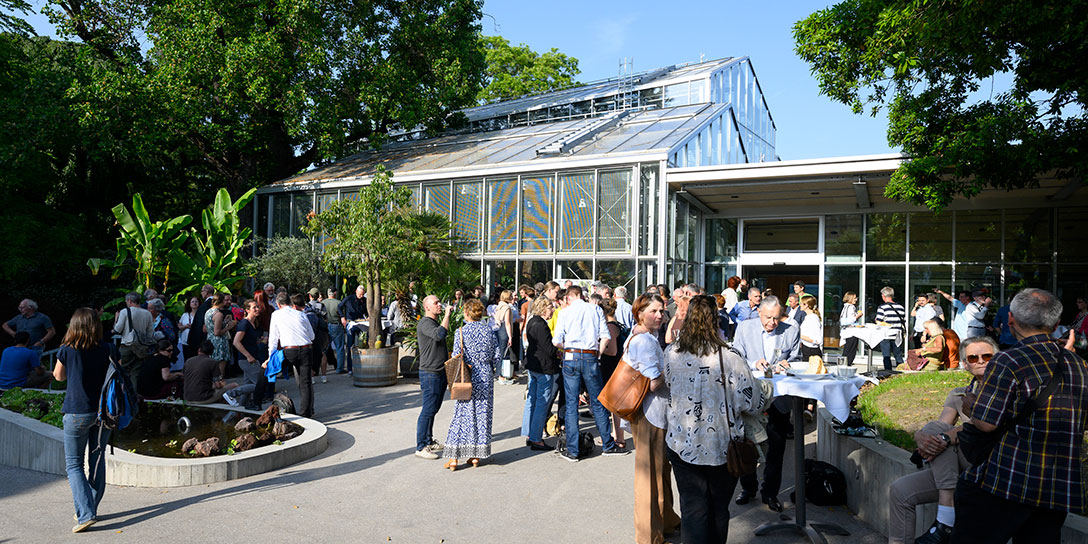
(973, 359)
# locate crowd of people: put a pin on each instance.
(704, 357)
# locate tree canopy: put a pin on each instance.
(514, 71)
(933, 65)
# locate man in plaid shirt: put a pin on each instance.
(1032, 478)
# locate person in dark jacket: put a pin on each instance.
(542, 362)
(432, 372)
(196, 331)
(352, 308)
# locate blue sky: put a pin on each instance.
(659, 34)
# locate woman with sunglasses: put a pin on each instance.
(937, 444)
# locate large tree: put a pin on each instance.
(244, 93)
(934, 66)
(513, 71)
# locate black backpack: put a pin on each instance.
(585, 444)
(825, 484)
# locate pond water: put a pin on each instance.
(157, 432)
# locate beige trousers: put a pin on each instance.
(921, 487)
(654, 513)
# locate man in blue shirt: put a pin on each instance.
(742, 311)
(1006, 337)
(37, 324)
(582, 333)
(20, 366)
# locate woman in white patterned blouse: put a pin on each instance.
(709, 388)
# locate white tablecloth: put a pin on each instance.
(835, 393)
(363, 325)
(872, 334)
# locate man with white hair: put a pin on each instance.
(36, 324)
(1032, 478)
(768, 343)
(270, 295)
(623, 308)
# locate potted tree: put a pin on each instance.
(380, 240)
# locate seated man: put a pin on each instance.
(937, 483)
(20, 365)
(155, 381)
(204, 377)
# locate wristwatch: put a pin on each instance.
(945, 437)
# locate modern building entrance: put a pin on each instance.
(780, 278)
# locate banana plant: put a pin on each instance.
(148, 247)
(214, 256)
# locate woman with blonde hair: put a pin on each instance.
(542, 362)
(83, 360)
(849, 317)
(470, 430)
(654, 514)
(503, 324)
(710, 389)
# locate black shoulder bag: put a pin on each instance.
(976, 445)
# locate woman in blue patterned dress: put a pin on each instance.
(470, 430)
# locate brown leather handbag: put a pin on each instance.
(625, 391)
(458, 374)
(743, 455)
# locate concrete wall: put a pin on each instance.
(870, 469)
(28, 443)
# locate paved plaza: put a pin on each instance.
(368, 487)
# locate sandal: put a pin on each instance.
(451, 464)
(475, 462)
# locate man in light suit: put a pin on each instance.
(769, 343)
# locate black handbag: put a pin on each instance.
(976, 445)
(743, 455)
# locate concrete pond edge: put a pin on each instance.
(30, 444)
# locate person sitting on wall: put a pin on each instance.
(204, 377)
(155, 380)
(937, 444)
(20, 366)
(931, 355)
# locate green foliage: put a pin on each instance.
(27, 402)
(929, 63)
(247, 93)
(145, 246)
(290, 262)
(514, 71)
(900, 405)
(214, 257)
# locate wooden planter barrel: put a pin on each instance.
(374, 367)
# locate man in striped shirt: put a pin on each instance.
(1032, 478)
(895, 315)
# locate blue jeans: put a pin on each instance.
(887, 349)
(336, 338)
(81, 431)
(584, 367)
(537, 405)
(432, 386)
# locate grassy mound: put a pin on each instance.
(901, 405)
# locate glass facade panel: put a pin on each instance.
(616, 273)
(502, 214)
(695, 92)
(536, 213)
(978, 276)
(876, 278)
(931, 237)
(648, 210)
(838, 280)
(678, 224)
(533, 272)
(498, 275)
(1072, 236)
(1022, 276)
(721, 240)
(281, 215)
(782, 235)
(647, 274)
(436, 198)
(717, 275)
(576, 223)
(263, 203)
(302, 205)
(1028, 235)
(693, 230)
(1072, 283)
(613, 216)
(842, 238)
(466, 214)
(574, 269)
(886, 237)
(414, 198)
(978, 236)
(676, 95)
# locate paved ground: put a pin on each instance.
(368, 487)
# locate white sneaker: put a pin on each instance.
(426, 454)
(324, 379)
(435, 447)
(230, 399)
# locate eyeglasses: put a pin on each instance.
(985, 358)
